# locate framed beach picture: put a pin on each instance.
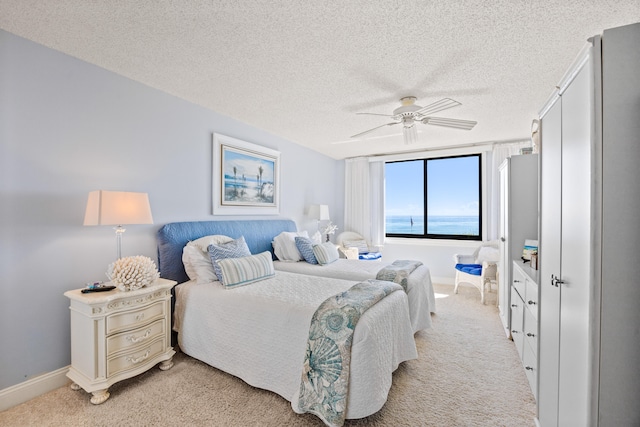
(246, 178)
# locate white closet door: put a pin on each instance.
(577, 119)
(550, 232)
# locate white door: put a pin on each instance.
(565, 256)
(549, 247)
(504, 282)
(573, 392)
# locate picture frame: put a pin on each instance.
(245, 178)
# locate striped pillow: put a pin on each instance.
(234, 249)
(325, 253)
(242, 271)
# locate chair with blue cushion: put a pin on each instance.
(479, 269)
(354, 246)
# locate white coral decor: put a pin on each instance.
(131, 273)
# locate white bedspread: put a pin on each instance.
(422, 300)
(259, 333)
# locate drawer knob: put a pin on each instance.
(135, 360)
(529, 334)
(528, 368)
(135, 339)
(516, 281)
(531, 302)
(139, 317)
(513, 331)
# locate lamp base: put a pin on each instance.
(119, 231)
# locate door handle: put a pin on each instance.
(502, 239)
(555, 281)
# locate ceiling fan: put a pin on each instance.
(409, 114)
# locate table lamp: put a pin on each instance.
(117, 208)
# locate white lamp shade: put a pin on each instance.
(319, 212)
(117, 208)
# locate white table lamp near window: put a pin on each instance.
(117, 208)
(319, 213)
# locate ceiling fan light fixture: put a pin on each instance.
(410, 134)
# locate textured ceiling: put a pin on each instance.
(302, 69)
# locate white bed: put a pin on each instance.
(259, 332)
(419, 287)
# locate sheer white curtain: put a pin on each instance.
(364, 199)
(499, 153)
(376, 169)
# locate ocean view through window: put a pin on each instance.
(448, 189)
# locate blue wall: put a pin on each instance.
(68, 127)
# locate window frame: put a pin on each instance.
(426, 235)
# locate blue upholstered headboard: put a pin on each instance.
(172, 237)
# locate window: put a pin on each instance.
(448, 189)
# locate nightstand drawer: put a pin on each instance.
(122, 321)
(125, 340)
(136, 358)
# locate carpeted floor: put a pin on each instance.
(467, 374)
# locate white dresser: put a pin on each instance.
(116, 335)
(524, 319)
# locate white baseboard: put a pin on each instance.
(443, 280)
(34, 387)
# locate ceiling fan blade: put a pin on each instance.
(443, 104)
(375, 128)
(377, 114)
(450, 123)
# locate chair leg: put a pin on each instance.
(455, 288)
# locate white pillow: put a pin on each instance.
(284, 245)
(198, 265)
(196, 260)
(489, 254)
(317, 237)
(325, 253)
(204, 242)
(242, 271)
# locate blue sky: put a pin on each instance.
(457, 197)
(248, 165)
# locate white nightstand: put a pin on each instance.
(116, 335)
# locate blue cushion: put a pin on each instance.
(370, 255)
(305, 246)
(473, 269)
(234, 249)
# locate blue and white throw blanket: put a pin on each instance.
(325, 373)
(398, 272)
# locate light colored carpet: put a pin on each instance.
(467, 374)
